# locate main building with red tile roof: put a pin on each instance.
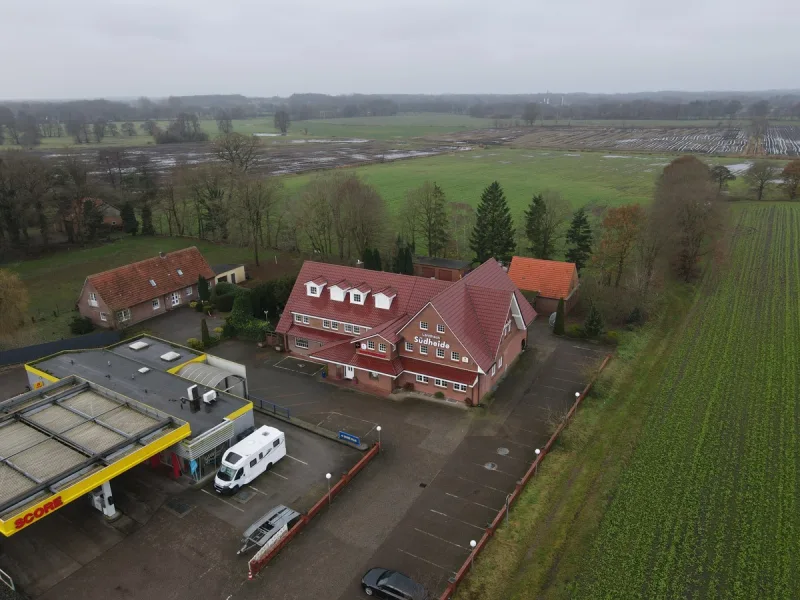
(141, 290)
(384, 331)
(550, 279)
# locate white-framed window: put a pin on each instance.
(188, 291)
(180, 272)
(357, 298)
(382, 348)
(423, 325)
(439, 328)
(312, 289)
(423, 349)
(298, 318)
(124, 315)
(459, 387)
(440, 353)
(371, 345)
(103, 316)
(306, 320)
(156, 304)
(153, 283)
(176, 298)
(335, 325)
(374, 375)
(301, 343)
(409, 347)
(348, 328)
(356, 329)
(455, 356)
(500, 363)
(494, 370)
(326, 324)
(92, 299)
(440, 383)
(422, 379)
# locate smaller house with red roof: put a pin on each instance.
(133, 293)
(551, 280)
(385, 332)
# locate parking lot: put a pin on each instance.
(442, 476)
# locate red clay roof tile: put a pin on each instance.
(550, 278)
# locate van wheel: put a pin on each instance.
(269, 466)
(236, 489)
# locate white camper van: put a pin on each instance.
(250, 458)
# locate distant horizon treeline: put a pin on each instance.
(646, 105)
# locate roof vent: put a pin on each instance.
(170, 356)
(140, 345)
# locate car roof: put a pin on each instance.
(402, 582)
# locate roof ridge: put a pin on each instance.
(144, 260)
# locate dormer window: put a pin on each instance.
(314, 288)
(358, 295)
(357, 298)
(383, 298)
(338, 290)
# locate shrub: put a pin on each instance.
(193, 304)
(228, 330)
(194, 344)
(558, 329)
(225, 302)
(611, 337)
(241, 318)
(574, 331)
(223, 288)
(198, 306)
(205, 337)
(203, 290)
(635, 318)
(217, 330)
(80, 325)
(439, 395)
(593, 325)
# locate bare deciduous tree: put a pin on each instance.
(241, 152)
(760, 175)
(255, 198)
(430, 211)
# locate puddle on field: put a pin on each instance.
(739, 167)
(332, 141)
(267, 134)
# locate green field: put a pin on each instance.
(682, 479)
(582, 178)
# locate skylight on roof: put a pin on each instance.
(153, 283)
(180, 272)
(140, 345)
(170, 356)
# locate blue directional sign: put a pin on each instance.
(349, 437)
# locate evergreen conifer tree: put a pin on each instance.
(534, 227)
(147, 221)
(203, 290)
(129, 222)
(593, 325)
(579, 240)
(205, 337)
(493, 235)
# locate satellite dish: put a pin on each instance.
(552, 320)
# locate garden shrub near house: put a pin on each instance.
(244, 324)
(194, 344)
(81, 325)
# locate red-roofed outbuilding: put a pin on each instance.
(550, 279)
(384, 331)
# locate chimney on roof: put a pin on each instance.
(162, 255)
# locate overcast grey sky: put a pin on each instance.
(112, 48)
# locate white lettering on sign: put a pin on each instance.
(430, 341)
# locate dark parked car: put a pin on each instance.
(384, 583)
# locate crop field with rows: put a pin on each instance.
(783, 140)
(708, 505)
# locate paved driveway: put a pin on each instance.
(180, 325)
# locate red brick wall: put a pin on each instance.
(139, 312)
(412, 330)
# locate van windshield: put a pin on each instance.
(226, 473)
(232, 458)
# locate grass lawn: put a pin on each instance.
(679, 479)
(55, 281)
(581, 177)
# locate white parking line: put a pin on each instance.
(488, 487)
(221, 500)
(440, 538)
(569, 380)
(553, 387)
(496, 470)
(258, 490)
(426, 561)
(470, 501)
(355, 418)
(278, 475)
(297, 459)
(436, 512)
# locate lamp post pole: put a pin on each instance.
(328, 477)
(379, 437)
(536, 468)
(472, 544)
